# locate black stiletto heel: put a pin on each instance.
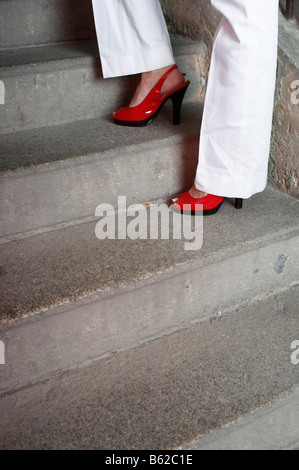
(177, 100)
(239, 203)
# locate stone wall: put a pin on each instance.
(284, 158)
(194, 19)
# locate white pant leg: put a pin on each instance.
(237, 120)
(132, 36)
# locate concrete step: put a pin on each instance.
(58, 84)
(55, 175)
(33, 22)
(175, 389)
(270, 427)
(68, 298)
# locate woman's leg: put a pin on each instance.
(132, 36)
(237, 120)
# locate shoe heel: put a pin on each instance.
(239, 203)
(177, 100)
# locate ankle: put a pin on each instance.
(196, 193)
(174, 79)
(149, 80)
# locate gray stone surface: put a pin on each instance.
(284, 165)
(196, 19)
(44, 58)
(167, 392)
(272, 427)
(32, 22)
(128, 344)
(84, 297)
(71, 169)
(57, 84)
(72, 262)
(65, 143)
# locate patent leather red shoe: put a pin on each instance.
(187, 205)
(148, 110)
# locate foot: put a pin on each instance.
(195, 193)
(149, 80)
(195, 202)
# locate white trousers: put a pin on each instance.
(237, 120)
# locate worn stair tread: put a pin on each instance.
(64, 265)
(165, 393)
(46, 57)
(31, 22)
(51, 57)
(93, 136)
(57, 84)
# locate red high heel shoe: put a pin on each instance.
(148, 110)
(187, 205)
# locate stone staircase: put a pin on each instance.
(69, 301)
